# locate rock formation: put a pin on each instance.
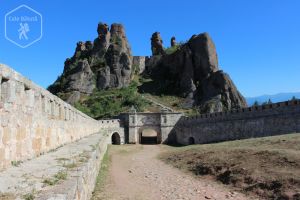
(102, 64)
(190, 71)
(193, 72)
(173, 42)
(138, 64)
(157, 44)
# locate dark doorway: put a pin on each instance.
(149, 136)
(191, 140)
(115, 139)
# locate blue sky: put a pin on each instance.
(258, 41)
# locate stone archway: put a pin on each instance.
(115, 139)
(191, 140)
(149, 136)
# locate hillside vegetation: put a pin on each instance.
(267, 167)
(112, 102)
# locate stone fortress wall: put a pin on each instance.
(259, 121)
(33, 121)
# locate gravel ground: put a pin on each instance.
(135, 173)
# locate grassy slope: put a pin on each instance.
(109, 103)
(149, 89)
(112, 102)
(268, 167)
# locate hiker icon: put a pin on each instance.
(24, 29)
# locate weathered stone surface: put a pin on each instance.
(119, 63)
(173, 42)
(268, 120)
(105, 63)
(193, 72)
(35, 121)
(139, 64)
(103, 40)
(161, 123)
(157, 44)
(86, 156)
(81, 79)
(220, 93)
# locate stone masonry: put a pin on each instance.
(162, 123)
(33, 121)
(268, 120)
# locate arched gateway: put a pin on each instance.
(150, 128)
(115, 139)
(149, 136)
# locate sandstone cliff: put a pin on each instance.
(102, 64)
(192, 71)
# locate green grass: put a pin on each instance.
(109, 103)
(62, 159)
(103, 174)
(16, 163)
(70, 165)
(172, 50)
(61, 175)
(105, 104)
(29, 196)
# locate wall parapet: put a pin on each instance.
(34, 121)
(249, 112)
(267, 120)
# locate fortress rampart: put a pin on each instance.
(258, 121)
(33, 121)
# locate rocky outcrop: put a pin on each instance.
(138, 64)
(173, 42)
(157, 44)
(189, 70)
(193, 72)
(102, 64)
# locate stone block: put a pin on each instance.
(19, 150)
(37, 144)
(6, 137)
(2, 154)
(21, 134)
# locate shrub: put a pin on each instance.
(109, 103)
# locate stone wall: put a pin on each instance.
(260, 121)
(111, 126)
(33, 121)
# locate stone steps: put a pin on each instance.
(69, 172)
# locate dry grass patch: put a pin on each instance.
(267, 167)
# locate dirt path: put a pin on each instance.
(135, 173)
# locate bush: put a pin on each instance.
(109, 103)
(171, 50)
